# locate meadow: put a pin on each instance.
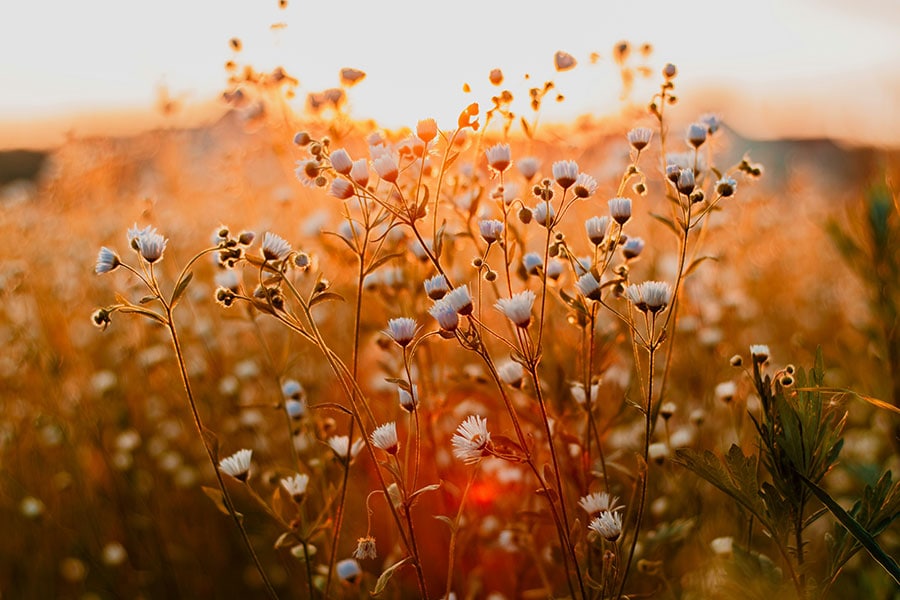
(292, 354)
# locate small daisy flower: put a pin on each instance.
(759, 353)
(667, 410)
(386, 167)
(640, 137)
(532, 262)
(275, 247)
(341, 189)
(632, 247)
(598, 502)
(491, 230)
(585, 186)
(658, 452)
(359, 173)
(296, 486)
(472, 440)
(436, 287)
(555, 268)
(511, 373)
(498, 157)
(650, 296)
(565, 172)
(544, 213)
(686, 182)
(402, 330)
(696, 134)
(147, 242)
(237, 465)
(385, 438)
(426, 130)
(348, 570)
(528, 166)
(341, 161)
(107, 260)
(444, 313)
(306, 172)
(596, 229)
(620, 210)
(518, 308)
(589, 287)
(608, 525)
(365, 548)
(579, 395)
(460, 299)
(340, 445)
(726, 391)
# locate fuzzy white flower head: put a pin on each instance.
(292, 389)
(620, 210)
(759, 353)
(578, 393)
(472, 440)
(341, 189)
(306, 172)
(402, 330)
(518, 308)
(359, 172)
(555, 268)
(340, 445)
(640, 137)
(658, 452)
(107, 260)
(726, 391)
(511, 373)
(386, 167)
(499, 157)
(722, 546)
(596, 229)
(599, 502)
(296, 486)
(726, 186)
(147, 242)
(445, 315)
(585, 186)
(696, 134)
(528, 166)
(491, 230)
(237, 465)
(341, 161)
(608, 525)
(652, 296)
(632, 247)
(436, 287)
(275, 247)
(460, 299)
(385, 438)
(532, 262)
(565, 172)
(296, 409)
(543, 214)
(588, 285)
(348, 570)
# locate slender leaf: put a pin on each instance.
(180, 289)
(387, 574)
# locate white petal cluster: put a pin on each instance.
(237, 465)
(471, 440)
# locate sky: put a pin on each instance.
(785, 62)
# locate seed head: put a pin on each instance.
(460, 300)
(533, 263)
(544, 213)
(491, 230)
(341, 189)
(386, 167)
(696, 134)
(511, 373)
(726, 186)
(589, 287)
(633, 247)
(445, 314)
(365, 548)
(685, 182)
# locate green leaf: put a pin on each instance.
(180, 289)
(387, 574)
(856, 530)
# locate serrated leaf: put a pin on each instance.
(736, 475)
(180, 289)
(218, 499)
(385, 576)
(856, 530)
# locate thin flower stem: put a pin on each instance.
(451, 558)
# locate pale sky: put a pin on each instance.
(61, 56)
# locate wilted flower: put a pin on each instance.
(275, 247)
(365, 548)
(633, 247)
(237, 465)
(518, 308)
(585, 186)
(490, 229)
(528, 166)
(565, 172)
(436, 287)
(385, 438)
(620, 210)
(639, 137)
(599, 502)
(341, 161)
(107, 261)
(341, 189)
(471, 440)
(608, 525)
(498, 157)
(596, 229)
(426, 130)
(386, 167)
(460, 300)
(588, 285)
(296, 486)
(445, 314)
